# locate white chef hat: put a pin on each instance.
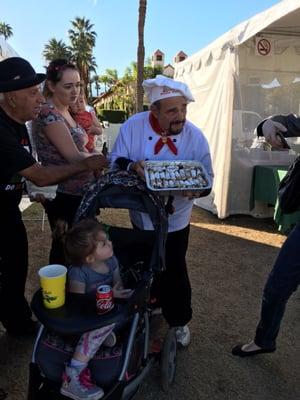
(162, 87)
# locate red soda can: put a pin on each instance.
(104, 299)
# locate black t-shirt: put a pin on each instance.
(15, 156)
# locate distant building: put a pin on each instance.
(123, 96)
(180, 56)
(158, 59)
(104, 100)
(168, 70)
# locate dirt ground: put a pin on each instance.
(229, 261)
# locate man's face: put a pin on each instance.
(26, 103)
(171, 114)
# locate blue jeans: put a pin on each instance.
(282, 282)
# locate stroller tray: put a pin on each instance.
(77, 315)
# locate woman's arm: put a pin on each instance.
(59, 135)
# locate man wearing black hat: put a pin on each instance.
(20, 100)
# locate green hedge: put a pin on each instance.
(112, 116)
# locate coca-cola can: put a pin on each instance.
(104, 299)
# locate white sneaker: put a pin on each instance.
(78, 385)
(156, 311)
(183, 335)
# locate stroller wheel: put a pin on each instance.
(168, 360)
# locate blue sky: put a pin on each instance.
(171, 25)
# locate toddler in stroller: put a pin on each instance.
(90, 254)
(118, 370)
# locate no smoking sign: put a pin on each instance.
(263, 47)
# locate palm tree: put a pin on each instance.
(109, 78)
(112, 75)
(130, 73)
(95, 80)
(5, 30)
(83, 41)
(92, 68)
(140, 56)
(105, 80)
(56, 49)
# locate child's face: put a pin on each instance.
(104, 249)
(79, 105)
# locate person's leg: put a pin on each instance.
(60, 210)
(76, 378)
(90, 342)
(175, 283)
(282, 282)
(15, 312)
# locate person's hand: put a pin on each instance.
(138, 167)
(191, 195)
(95, 130)
(120, 293)
(271, 131)
(97, 173)
(95, 162)
(37, 197)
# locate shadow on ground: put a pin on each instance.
(229, 261)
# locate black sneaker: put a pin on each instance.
(3, 394)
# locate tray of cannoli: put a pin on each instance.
(175, 176)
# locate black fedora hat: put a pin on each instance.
(16, 74)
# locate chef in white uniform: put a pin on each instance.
(163, 133)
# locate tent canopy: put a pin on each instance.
(6, 50)
(237, 80)
(283, 18)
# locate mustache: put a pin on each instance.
(181, 121)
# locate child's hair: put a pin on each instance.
(81, 240)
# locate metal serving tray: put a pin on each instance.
(173, 177)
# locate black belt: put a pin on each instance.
(9, 187)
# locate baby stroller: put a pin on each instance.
(121, 369)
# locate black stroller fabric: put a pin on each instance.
(54, 351)
(117, 189)
(121, 189)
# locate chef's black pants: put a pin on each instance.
(171, 289)
(175, 284)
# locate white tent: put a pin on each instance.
(6, 50)
(247, 74)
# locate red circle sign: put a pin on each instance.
(263, 47)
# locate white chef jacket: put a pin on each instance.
(136, 141)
